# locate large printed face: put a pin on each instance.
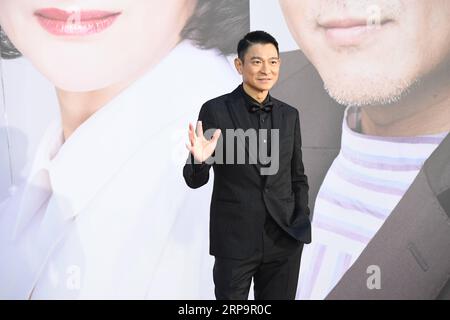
(370, 52)
(84, 45)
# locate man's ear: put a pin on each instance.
(238, 65)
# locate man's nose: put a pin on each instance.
(265, 68)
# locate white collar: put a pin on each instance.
(102, 144)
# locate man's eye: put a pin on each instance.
(256, 62)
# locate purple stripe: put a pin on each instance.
(312, 274)
(341, 231)
(346, 224)
(342, 265)
(370, 186)
(347, 263)
(343, 202)
(380, 165)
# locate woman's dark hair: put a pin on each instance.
(7, 49)
(215, 24)
(218, 24)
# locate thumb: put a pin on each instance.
(216, 135)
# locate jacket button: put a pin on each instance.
(266, 190)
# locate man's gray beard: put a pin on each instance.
(347, 98)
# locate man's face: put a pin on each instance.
(370, 52)
(84, 45)
(260, 67)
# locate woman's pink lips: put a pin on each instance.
(75, 23)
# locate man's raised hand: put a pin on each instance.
(199, 146)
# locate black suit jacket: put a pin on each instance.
(240, 194)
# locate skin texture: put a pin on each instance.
(397, 70)
(259, 70)
(88, 71)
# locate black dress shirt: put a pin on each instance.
(261, 118)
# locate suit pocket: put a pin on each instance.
(286, 145)
(286, 140)
(227, 213)
(228, 221)
(230, 230)
(287, 136)
(227, 201)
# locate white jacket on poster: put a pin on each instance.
(106, 214)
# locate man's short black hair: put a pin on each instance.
(255, 37)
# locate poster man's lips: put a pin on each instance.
(343, 23)
(349, 31)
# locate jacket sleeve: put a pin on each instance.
(197, 174)
(299, 179)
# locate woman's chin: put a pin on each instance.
(82, 84)
(77, 87)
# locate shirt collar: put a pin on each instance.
(250, 101)
(399, 152)
(37, 188)
(100, 147)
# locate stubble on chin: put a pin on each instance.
(369, 91)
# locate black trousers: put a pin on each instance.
(274, 268)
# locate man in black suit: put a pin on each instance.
(259, 209)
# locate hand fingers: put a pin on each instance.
(188, 147)
(216, 135)
(199, 129)
(191, 134)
